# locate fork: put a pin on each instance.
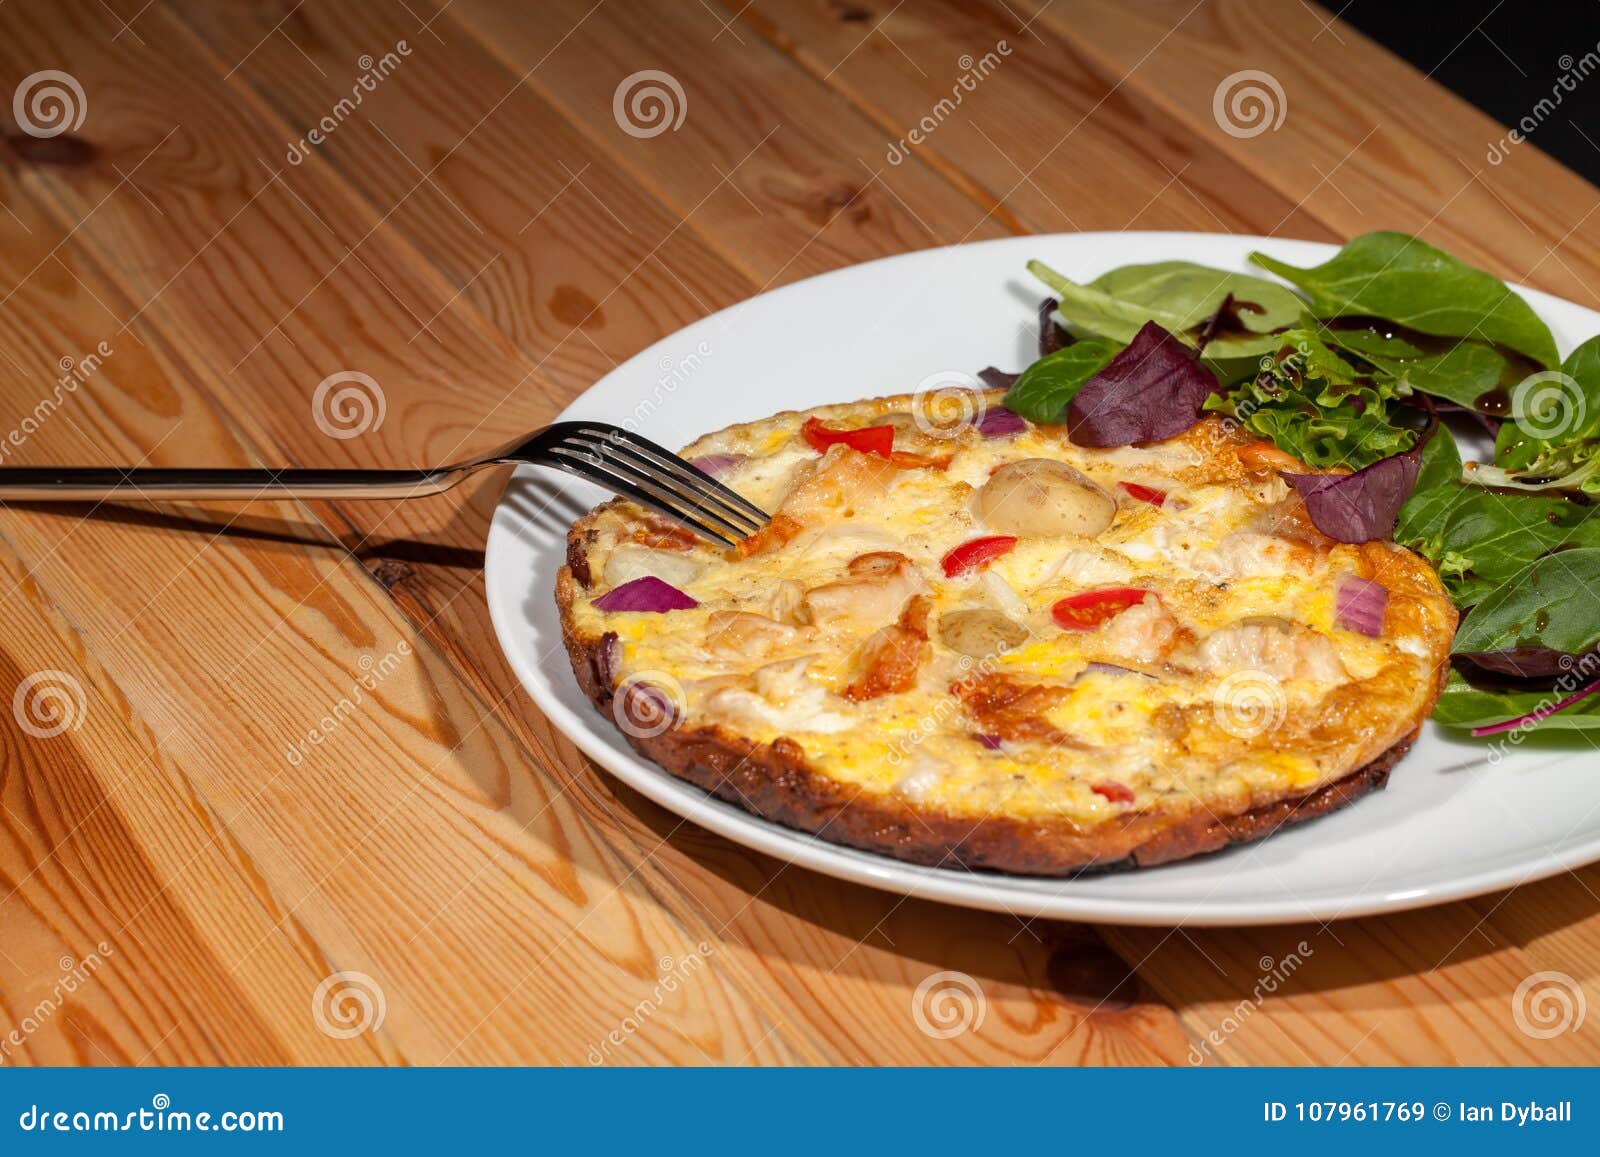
(606, 455)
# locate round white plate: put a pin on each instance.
(1452, 823)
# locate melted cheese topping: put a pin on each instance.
(1228, 686)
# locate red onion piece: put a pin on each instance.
(645, 594)
(716, 465)
(998, 422)
(1359, 605)
(1534, 718)
(607, 658)
(992, 742)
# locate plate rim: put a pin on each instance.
(1022, 896)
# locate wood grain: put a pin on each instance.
(411, 844)
(484, 239)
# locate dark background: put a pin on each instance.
(1503, 56)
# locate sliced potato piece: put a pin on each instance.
(1044, 498)
(979, 633)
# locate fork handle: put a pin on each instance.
(91, 483)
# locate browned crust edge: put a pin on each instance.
(775, 781)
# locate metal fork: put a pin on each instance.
(606, 455)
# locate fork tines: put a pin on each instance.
(653, 476)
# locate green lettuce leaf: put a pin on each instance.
(1312, 403)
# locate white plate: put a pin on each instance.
(1450, 824)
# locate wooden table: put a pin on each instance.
(289, 783)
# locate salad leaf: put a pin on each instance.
(1464, 705)
(1399, 278)
(1362, 506)
(1043, 390)
(1550, 606)
(1151, 390)
(1468, 373)
(1520, 662)
(1179, 296)
(1051, 336)
(1313, 404)
(1477, 539)
(1553, 440)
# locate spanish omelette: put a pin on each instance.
(972, 643)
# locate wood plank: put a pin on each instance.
(1038, 123)
(807, 186)
(416, 847)
(1366, 141)
(762, 935)
(1431, 987)
(505, 34)
(110, 857)
(105, 960)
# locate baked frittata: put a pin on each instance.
(965, 641)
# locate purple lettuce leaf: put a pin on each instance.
(1051, 336)
(1151, 390)
(1526, 662)
(1363, 506)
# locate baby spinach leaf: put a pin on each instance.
(1478, 539)
(1179, 296)
(1551, 605)
(1468, 373)
(1405, 280)
(1426, 514)
(1042, 392)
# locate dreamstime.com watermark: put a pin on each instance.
(1248, 103)
(1247, 704)
(373, 672)
(674, 372)
(74, 974)
(49, 703)
(49, 103)
(74, 372)
(1274, 974)
(973, 73)
(932, 722)
(1547, 1004)
(649, 103)
(1576, 672)
(948, 1004)
(1549, 405)
(348, 404)
(1573, 73)
(159, 1117)
(373, 73)
(672, 974)
(347, 1004)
